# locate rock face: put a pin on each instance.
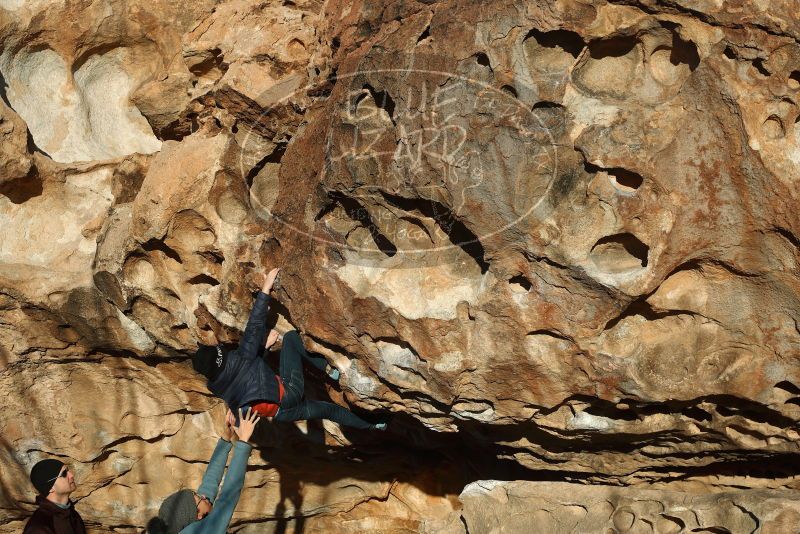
(558, 241)
(492, 506)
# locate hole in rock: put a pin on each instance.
(424, 35)
(137, 270)
(730, 54)
(789, 236)
(203, 279)
(613, 47)
(276, 308)
(360, 98)
(612, 66)
(521, 282)
(3, 94)
(456, 231)
(510, 90)
(788, 387)
(214, 256)
(157, 245)
(758, 63)
(686, 53)
(23, 189)
(550, 57)
(696, 413)
(626, 178)
(418, 224)
(683, 51)
(190, 231)
(383, 100)
(623, 177)
(544, 104)
(213, 60)
(729, 405)
(725, 411)
(231, 205)
(773, 127)
(743, 432)
(482, 59)
(327, 207)
(356, 211)
(335, 44)
(550, 333)
(324, 89)
(677, 521)
(566, 40)
(794, 79)
(296, 48)
(179, 128)
(619, 253)
(273, 157)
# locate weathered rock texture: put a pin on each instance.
(493, 507)
(558, 240)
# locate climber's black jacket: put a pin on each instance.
(246, 377)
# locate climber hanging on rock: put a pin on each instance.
(243, 379)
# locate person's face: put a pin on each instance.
(64, 482)
(203, 506)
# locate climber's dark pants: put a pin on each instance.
(293, 406)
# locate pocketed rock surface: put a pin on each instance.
(557, 242)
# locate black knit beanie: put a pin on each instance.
(209, 360)
(44, 474)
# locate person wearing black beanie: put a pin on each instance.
(54, 483)
(209, 360)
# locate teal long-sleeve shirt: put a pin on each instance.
(216, 522)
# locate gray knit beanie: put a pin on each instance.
(177, 511)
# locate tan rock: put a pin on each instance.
(514, 507)
(557, 236)
(15, 162)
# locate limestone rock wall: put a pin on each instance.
(555, 240)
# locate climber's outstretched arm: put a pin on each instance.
(256, 327)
